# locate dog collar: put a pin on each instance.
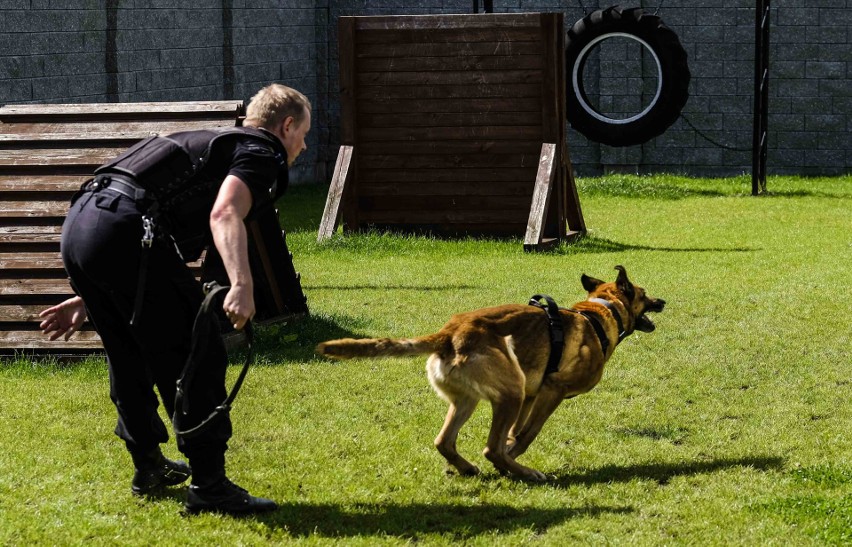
(622, 334)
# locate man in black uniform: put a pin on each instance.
(143, 299)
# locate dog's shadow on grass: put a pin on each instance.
(662, 473)
(417, 520)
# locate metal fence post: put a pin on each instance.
(761, 97)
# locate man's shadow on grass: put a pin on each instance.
(412, 521)
(662, 473)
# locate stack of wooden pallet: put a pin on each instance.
(46, 153)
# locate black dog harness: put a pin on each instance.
(557, 330)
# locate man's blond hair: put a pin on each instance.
(273, 104)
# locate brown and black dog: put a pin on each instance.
(501, 354)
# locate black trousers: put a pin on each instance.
(101, 251)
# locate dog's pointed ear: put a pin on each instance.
(590, 283)
(624, 284)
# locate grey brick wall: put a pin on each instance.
(68, 51)
(55, 51)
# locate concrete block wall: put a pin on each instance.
(810, 120)
(60, 51)
(70, 51)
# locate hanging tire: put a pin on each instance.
(672, 73)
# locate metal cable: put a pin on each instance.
(711, 141)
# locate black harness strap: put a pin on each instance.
(617, 316)
(556, 328)
(599, 330)
(200, 333)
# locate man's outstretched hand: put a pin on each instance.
(63, 319)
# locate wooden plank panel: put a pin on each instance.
(491, 20)
(387, 93)
(464, 161)
(464, 105)
(41, 183)
(225, 110)
(47, 230)
(34, 339)
(467, 77)
(22, 313)
(31, 261)
(28, 238)
(453, 229)
(372, 204)
(475, 216)
(414, 148)
(417, 119)
(446, 35)
(448, 50)
(447, 188)
(445, 174)
(471, 62)
(92, 129)
(29, 287)
(34, 209)
(57, 157)
(517, 133)
(451, 115)
(50, 262)
(109, 138)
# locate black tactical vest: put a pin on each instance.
(172, 170)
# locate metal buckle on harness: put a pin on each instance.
(147, 231)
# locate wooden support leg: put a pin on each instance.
(331, 214)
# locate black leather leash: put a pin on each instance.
(204, 320)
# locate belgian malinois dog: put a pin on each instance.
(502, 355)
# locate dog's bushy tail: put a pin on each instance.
(347, 348)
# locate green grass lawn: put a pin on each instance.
(729, 425)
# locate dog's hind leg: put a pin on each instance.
(460, 411)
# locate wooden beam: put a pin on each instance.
(541, 197)
(331, 214)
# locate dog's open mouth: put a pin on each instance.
(643, 322)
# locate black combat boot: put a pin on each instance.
(223, 496)
(153, 471)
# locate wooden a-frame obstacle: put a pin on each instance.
(454, 125)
